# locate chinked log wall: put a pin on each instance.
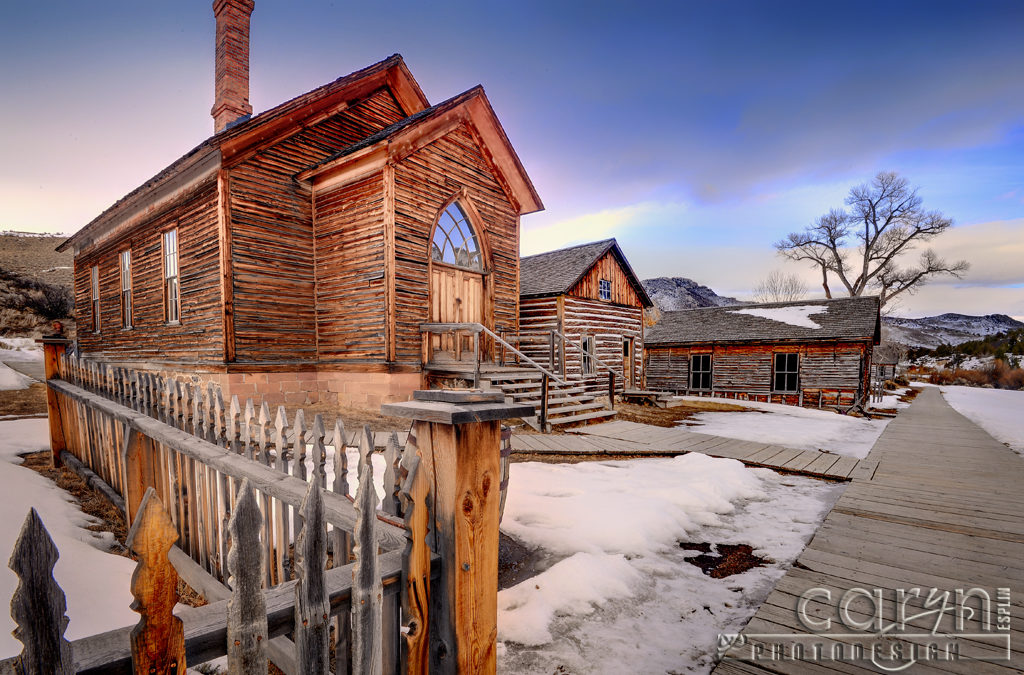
(830, 374)
(274, 264)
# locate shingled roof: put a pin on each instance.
(555, 272)
(839, 319)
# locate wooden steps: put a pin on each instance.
(568, 405)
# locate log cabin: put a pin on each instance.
(581, 314)
(814, 353)
(296, 254)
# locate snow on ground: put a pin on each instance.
(11, 379)
(997, 411)
(891, 400)
(96, 583)
(791, 426)
(794, 316)
(617, 593)
(20, 349)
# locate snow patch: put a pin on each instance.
(618, 593)
(997, 411)
(791, 427)
(11, 379)
(794, 316)
(97, 584)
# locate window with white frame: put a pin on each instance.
(700, 371)
(787, 372)
(587, 348)
(604, 289)
(126, 288)
(94, 297)
(172, 291)
(455, 241)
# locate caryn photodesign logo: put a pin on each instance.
(891, 629)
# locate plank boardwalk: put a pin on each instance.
(936, 504)
(632, 438)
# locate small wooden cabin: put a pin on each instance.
(581, 313)
(885, 361)
(295, 254)
(813, 353)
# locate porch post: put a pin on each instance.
(53, 349)
(458, 441)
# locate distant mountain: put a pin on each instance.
(952, 329)
(671, 293)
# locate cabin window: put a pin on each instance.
(126, 289)
(587, 349)
(94, 297)
(455, 242)
(787, 372)
(700, 371)
(172, 299)
(604, 289)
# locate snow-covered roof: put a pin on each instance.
(801, 321)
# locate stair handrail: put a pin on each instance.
(523, 356)
(569, 342)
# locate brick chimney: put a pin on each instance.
(231, 85)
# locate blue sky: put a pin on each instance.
(696, 133)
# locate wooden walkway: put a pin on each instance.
(943, 509)
(631, 438)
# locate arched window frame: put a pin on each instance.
(472, 218)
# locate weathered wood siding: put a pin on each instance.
(606, 267)
(350, 295)
(833, 373)
(199, 337)
(424, 182)
(608, 324)
(272, 233)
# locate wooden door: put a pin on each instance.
(456, 296)
(628, 363)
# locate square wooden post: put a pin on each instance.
(53, 349)
(458, 440)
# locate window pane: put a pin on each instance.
(454, 241)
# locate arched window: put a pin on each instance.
(455, 242)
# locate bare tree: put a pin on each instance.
(780, 287)
(862, 246)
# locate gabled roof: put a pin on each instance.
(555, 272)
(838, 319)
(281, 119)
(414, 132)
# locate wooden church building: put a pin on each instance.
(296, 253)
(581, 314)
(813, 353)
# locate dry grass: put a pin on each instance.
(671, 417)
(31, 401)
(90, 501)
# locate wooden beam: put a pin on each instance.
(226, 272)
(389, 262)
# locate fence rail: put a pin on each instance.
(259, 505)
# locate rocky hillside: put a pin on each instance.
(671, 293)
(35, 283)
(951, 329)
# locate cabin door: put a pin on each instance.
(456, 296)
(628, 363)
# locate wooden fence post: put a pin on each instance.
(53, 350)
(247, 610)
(542, 417)
(611, 389)
(38, 603)
(158, 641)
(458, 441)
